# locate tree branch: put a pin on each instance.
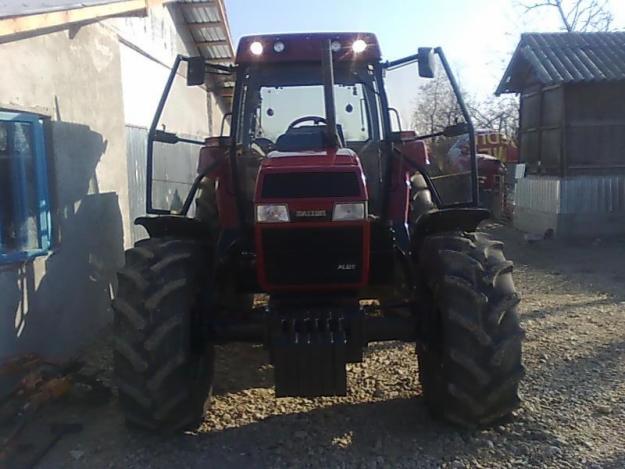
(577, 15)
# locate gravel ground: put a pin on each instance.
(573, 311)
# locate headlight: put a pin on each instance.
(352, 211)
(272, 213)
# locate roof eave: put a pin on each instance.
(207, 22)
(17, 25)
(507, 76)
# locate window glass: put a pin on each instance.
(282, 105)
(436, 117)
(23, 193)
(275, 96)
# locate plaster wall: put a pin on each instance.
(52, 304)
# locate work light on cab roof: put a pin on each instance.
(308, 47)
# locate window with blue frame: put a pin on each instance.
(24, 201)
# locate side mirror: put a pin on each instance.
(196, 71)
(456, 130)
(426, 61)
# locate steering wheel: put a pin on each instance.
(314, 119)
(264, 144)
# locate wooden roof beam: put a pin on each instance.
(204, 24)
(220, 42)
(24, 24)
(204, 3)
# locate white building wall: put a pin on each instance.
(52, 304)
(148, 49)
(90, 83)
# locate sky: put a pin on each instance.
(478, 36)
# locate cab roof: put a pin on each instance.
(306, 47)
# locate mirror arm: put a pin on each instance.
(220, 74)
(435, 134)
(393, 64)
(227, 69)
(171, 138)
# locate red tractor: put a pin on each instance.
(314, 205)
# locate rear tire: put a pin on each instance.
(163, 370)
(471, 366)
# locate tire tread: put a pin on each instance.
(161, 387)
(471, 369)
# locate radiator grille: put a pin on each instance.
(315, 256)
(310, 185)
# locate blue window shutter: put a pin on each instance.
(21, 193)
(45, 222)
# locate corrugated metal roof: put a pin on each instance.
(555, 58)
(10, 8)
(209, 27)
(208, 23)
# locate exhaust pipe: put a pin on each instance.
(327, 67)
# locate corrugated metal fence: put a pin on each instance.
(583, 194)
(136, 149)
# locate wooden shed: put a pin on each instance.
(572, 131)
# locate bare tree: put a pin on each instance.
(577, 15)
(436, 106)
(497, 113)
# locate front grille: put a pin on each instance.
(313, 256)
(310, 185)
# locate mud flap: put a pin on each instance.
(310, 349)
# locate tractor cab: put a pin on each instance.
(316, 96)
(290, 107)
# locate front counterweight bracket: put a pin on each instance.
(310, 348)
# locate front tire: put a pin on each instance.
(163, 370)
(470, 365)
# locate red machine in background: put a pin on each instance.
(493, 143)
(493, 152)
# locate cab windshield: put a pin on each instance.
(283, 107)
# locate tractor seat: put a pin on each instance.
(306, 138)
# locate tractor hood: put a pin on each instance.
(322, 174)
(312, 226)
(313, 159)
